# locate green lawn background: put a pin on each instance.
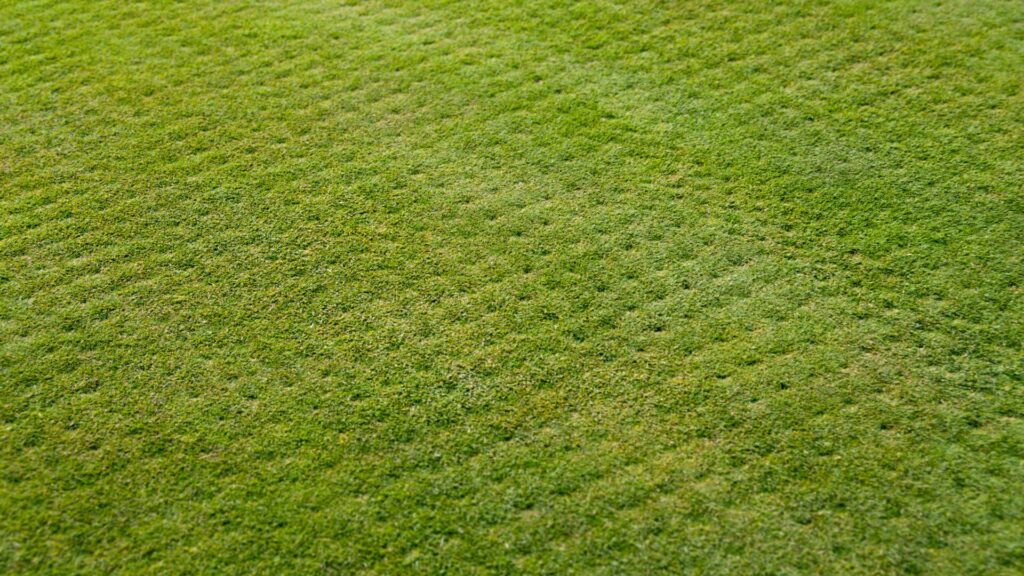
(512, 287)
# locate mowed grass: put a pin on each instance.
(500, 287)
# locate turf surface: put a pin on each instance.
(504, 287)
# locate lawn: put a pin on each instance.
(501, 287)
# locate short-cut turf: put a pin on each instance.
(509, 287)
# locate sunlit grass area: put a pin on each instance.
(497, 287)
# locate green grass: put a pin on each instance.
(502, 287)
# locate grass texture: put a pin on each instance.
(502, 287)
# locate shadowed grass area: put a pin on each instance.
(504, 287)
